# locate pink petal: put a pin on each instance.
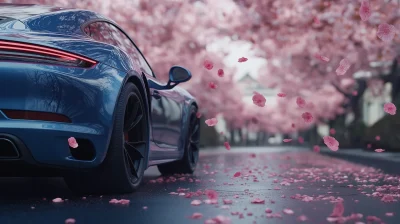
(196, 215)
(198, 114)
(302, 218)
(212, 85)
(378, 138)
(211, 194)
(307, 117)
(379, 150)
(242, 59)
(227, 146)
(220, 73)
(70, 221)
(124, 202)
(331, 142)
(208, 64)
(258, 201)
(316, 148)
(288, 211)
(332, 131)
(338, 210)
(321, 58)
(196, 202)
(281, 94)
(386, 32)
(390, 214)
(237, 174)
(390, 108)
(300, 102)
(218, 220)
(287, 140)
(58, 200)
(300, 140)
(365, 10)
(268, 210)
(227, 201)
(344, 65)
(211, 122)
(259, 99)
(72, 142)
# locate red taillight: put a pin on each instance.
(17, 50)
(35, 115)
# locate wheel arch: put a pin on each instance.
(185, 124)
(141, 84)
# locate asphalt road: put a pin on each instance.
(306, 183)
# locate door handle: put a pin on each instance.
(156, 95)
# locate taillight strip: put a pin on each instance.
(42, 50)
(36, 51)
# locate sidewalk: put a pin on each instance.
(387, 161)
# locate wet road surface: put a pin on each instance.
(305, 183)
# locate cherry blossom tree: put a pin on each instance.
(308, 44)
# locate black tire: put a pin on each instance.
(117, 172)
(188, 163)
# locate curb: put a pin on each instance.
(388, 162)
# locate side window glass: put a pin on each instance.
(126, 45)
(99, 31)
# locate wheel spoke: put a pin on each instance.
(134, 117)
(194, 142)
(195, 129)
(135, 149)
(135, 113)
(132, 164)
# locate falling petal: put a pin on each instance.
(386, 32)
(208, 64)
(331, 142)
(389, 108)
(220, 73)
(259, 99)
(365, 10)
(242, 59)
(72, 142)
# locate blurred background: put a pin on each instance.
(282, 41)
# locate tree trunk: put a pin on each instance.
(240, 132)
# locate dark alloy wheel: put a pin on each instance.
(122, 169)
(190, 158)
(134, 137)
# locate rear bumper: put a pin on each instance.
(45, 144)
(87, 97)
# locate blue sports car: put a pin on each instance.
(69, 74)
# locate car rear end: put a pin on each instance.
(53, 87)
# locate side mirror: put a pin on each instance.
(178, 74)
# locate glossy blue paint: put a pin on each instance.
(86, 95)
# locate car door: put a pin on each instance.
(164, 109)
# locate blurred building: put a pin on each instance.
(248, 84)
(373, 104)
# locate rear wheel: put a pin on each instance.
(191, 155)
(122, 169)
